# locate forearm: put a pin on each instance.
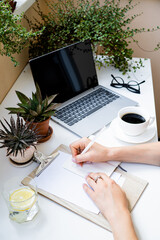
(145, 153)
(122, 227)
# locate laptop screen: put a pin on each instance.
(67, 71)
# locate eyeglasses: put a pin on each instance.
(132, 85)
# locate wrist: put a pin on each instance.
(118, 216)
(122, 226)
(114, 154)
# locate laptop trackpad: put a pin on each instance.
(94, 122)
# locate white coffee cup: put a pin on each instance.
(134, 120)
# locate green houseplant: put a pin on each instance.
(36, 110)
(13, 36)
(13, 4)
(107, 25)
(19, 139)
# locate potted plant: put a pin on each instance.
(107, 25)
(13, 36)
(37, 111)
(19, 139)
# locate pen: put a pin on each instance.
(93, 141)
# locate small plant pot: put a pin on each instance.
(23, 159)
(43, 129)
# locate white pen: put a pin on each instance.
(93, 141)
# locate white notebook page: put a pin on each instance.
(65, 184)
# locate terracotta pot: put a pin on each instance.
(43, 129)
(28, 154)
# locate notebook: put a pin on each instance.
(70, 72)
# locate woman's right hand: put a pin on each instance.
(97, 152)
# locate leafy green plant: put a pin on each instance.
(13, 4)
(107, 25)
(13, 36)
(34, 109)
(18, 137)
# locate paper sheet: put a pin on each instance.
(87, 168)
(94, 167)
(118, 178)
(64, 184)
(68, 185)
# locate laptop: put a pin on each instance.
(83, 106)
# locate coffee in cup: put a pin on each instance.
(134, 120)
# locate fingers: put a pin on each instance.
(94, 180)
(83, 157)
(91, 181)
(97, 184)
(99, 176)
(95, 177)
(99, 180)
(104, 177)
(78, 146)
(89, 191)
(97, 152)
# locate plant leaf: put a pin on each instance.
(38, 93)
(45, 103)
(48, 114)
(33, 113)
(23, 98)
(7, 131)
(51, 98)
(15, 110)
(20, 136)
(51, 107)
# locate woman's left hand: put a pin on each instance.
(107, 195)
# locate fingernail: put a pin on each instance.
(81, 164)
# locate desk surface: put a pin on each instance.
(56, 222)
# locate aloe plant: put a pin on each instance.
(18, 136)
(34, 109)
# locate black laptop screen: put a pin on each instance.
(67, 71)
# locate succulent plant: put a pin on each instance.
(34, 109)
(18, 136)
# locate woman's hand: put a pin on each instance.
(112, 203)
(107, 195)
(97, 153)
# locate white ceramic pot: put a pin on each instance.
(28, 154)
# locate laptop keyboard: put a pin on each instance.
(85, 106)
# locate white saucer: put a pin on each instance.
(144, 137)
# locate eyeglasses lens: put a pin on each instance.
(133, 87)
(117, 82)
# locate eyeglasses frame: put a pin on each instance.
(126, 85)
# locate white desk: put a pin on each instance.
(58, 223)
